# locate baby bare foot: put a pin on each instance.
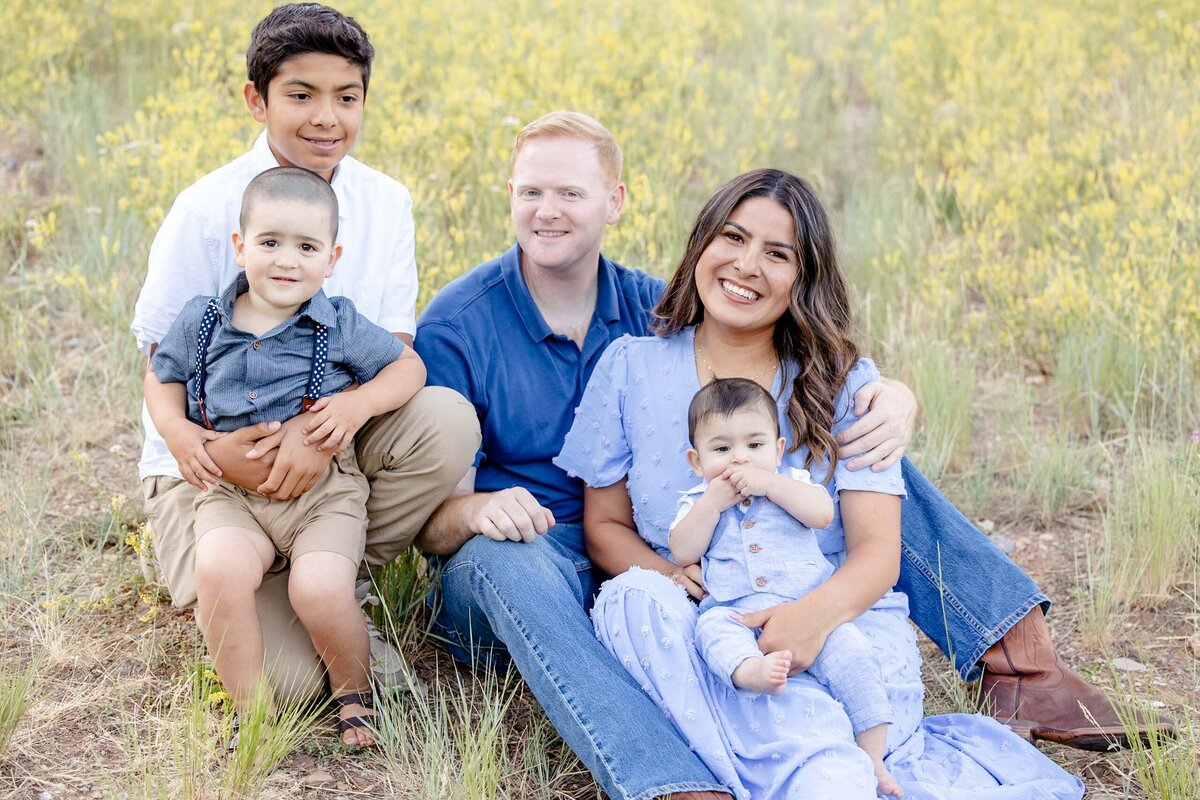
(767, 674)
(887, 784)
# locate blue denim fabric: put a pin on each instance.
(963, 591)
(529, 602)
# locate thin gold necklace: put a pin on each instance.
(767, 373)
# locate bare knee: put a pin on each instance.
(321, 584)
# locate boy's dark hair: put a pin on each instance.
(724, 397)
(289, 183)
(300, 28)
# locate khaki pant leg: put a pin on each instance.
(413, 458)
(291, 663)
(169, 516)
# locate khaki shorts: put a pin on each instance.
(331, 517)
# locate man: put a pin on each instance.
(518, 336)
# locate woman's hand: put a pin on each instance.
(800, 626)
(888, 411)
(872, 566)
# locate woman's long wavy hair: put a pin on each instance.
(813, 339)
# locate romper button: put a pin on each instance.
(746, 503)
(252, 395)
(760, 581)
(256, 345)
(748, 523)
(754, 548)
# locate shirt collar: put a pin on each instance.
(318, 308)
(263, 159)
(608, 306)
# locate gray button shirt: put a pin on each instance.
(254, 379)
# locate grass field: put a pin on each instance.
(1016, 187)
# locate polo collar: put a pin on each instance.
(318, 308)
(608, 307)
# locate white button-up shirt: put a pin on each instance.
(192, 254)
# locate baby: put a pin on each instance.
(750, 525)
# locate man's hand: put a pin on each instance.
(721, 494)
(297, 467)
(510, 515)
(750, 481)
(333, 420)
(888, 410)
(186, 440)
(800, 626)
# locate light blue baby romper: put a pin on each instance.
(761, 556)
(632, 423)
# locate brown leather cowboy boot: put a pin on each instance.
(1026, 683)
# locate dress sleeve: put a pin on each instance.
(596, 449)
(889, 481)
(367, 348)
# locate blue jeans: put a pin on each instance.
(963, 591)
(530, 602)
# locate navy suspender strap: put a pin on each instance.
(316, 370)
(202, 341)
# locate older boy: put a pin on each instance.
(275, 329)
(309, 67)
(517, 580)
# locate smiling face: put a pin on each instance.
(287, 251)
(312, 111)
(561, 203)
(745, 275)
(747, 437)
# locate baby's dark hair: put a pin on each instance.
(289, 183)
(300, 28)
(725, 397)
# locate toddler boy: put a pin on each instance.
(274, 329)
(733, 425)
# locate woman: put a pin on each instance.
(759, 295)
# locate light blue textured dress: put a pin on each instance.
(632, 422)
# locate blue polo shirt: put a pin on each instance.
(483, 336)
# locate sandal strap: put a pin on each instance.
(366, 700)
(350, 723)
